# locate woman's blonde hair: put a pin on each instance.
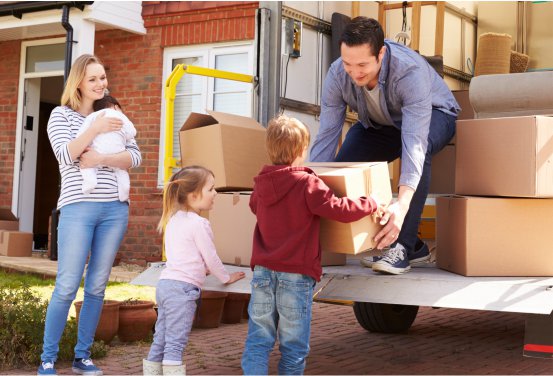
(71, 95)
(286, 140)
(187, 180)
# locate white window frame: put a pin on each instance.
(208, 52)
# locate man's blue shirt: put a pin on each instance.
(411, 89)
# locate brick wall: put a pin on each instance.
(9, 81)
(134, 69)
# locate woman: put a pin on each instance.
(89, 225)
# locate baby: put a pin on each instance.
(109, 143)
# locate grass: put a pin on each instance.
(45, 287)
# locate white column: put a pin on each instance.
(83, 34)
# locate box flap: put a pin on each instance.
(196, 120)
(236, 120)
(7, 215)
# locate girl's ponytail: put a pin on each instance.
(187, 180)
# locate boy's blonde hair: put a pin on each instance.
(71, 95)
(286, 140)
(187, 180)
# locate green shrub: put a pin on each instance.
(22, 316)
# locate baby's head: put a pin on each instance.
(287, 139)
(106, 102)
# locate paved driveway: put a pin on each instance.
(440, 342)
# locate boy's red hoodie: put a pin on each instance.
(288, 202)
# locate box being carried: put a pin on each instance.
(505, 157)
(352, 180)
(232, 146)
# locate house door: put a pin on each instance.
(36, 173)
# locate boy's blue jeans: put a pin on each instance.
(280, 305)
(384, 144)
(95, 228)
(176, 301)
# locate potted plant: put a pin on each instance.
(109, 320)
(234, 307)
(136, 320)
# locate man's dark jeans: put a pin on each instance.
(384, 144)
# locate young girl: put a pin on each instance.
(191, 255)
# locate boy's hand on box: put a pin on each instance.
(380, 208)
(236, 276)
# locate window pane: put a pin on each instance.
(190, 83)
(233, 103)
(236, 63)
(184, 105)
(50, 57)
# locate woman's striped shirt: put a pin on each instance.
(63, 126)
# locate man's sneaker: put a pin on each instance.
(419, 257)
(46, 368)
(85, 367)
(393, 262)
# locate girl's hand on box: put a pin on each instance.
(236, 276)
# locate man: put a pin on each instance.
(405, 110)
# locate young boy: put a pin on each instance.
(288, 200)
(109, 143)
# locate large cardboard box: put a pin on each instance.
(491, 236)
(233, 225)
(232, 146)
(505, 157)
(353, 180)
(16, 244)
(8, 221)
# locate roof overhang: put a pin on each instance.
(25, 22)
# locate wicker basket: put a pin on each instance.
(494, 54)
(519, 62)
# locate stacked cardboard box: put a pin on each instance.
(231, 146)
(12, 242)
(500, 225)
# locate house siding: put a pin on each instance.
(9, 81)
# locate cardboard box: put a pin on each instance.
(232, 146)
(490, 236)
(8, 221)
(443, 171)
(16, 244)
(505, 157)
(462, 98)
(352, 180)
(233, 225)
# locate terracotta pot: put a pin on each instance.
(109, 320)
(210, 310)
(136, 320)
(234, 308)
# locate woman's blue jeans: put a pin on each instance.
(84, 228)
(384, 144)
(280, 305)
